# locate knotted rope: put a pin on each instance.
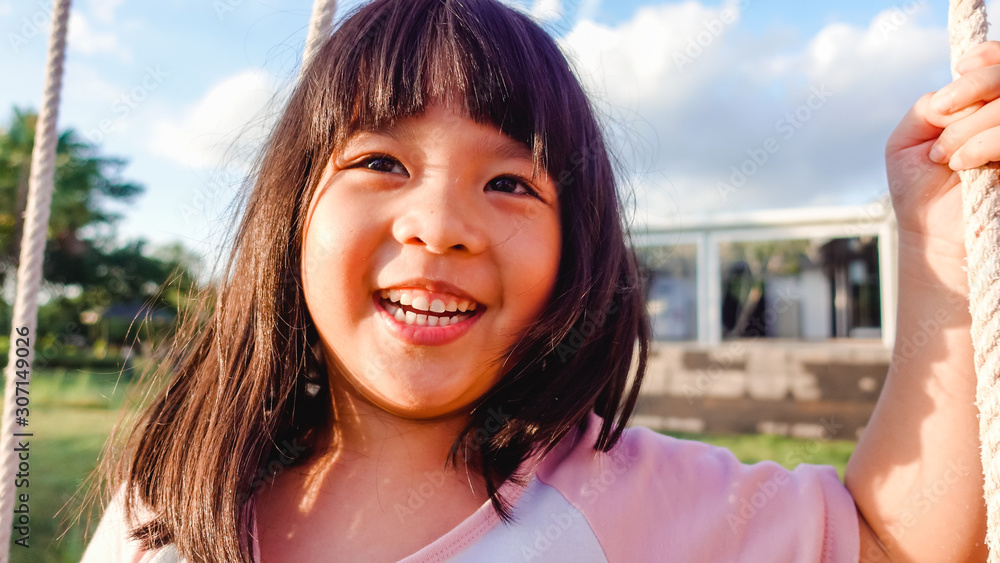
(29, 270)
(29, 273)
(981, 207)
(320, 26)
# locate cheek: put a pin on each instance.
(335, 260)
(533, 267)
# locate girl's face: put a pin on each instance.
(429, 249)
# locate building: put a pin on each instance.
(770, 320)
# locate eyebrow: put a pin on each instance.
(504, 146)
(501, 146)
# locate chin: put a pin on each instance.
(424, 406)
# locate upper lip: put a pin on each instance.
(435, 286)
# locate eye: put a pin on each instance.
(511, 185)
(383, 163)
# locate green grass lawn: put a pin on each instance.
(72, 413)
(64, 450)
(789, 452)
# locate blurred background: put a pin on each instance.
(748, 135)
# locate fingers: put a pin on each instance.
(959, 125)
(980, 56)
(979, 85)
(977, 151)
(966, 112)
(915, 128)
(970, 141)
(979, 80)
(943, 120)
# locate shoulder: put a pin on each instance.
(699, 500)
(112, 543)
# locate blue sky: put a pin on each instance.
(176, 82)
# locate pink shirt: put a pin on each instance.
(652, 498)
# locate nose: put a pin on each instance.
(442, 215)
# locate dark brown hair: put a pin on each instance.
(241, 391)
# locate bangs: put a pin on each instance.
(496, 66)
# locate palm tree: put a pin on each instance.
(83, 181)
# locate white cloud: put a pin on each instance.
(89, 86)
(547, 10)
(224, 128)
(710, 94)
(84, 38)
(588, 9)
(104, 10)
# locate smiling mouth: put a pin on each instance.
(416, 309)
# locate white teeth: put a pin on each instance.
(411, 318)
(420, 303)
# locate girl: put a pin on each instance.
(422, 346)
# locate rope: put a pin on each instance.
(320, 27)
(29, 270)
(981, 207)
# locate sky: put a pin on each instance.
(710, 107)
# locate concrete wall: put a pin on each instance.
(788, 387)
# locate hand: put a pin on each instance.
(956, 128)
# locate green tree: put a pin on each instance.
(762, 259)
(84, 182)
(89, 278)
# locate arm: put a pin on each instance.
(916, 475)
